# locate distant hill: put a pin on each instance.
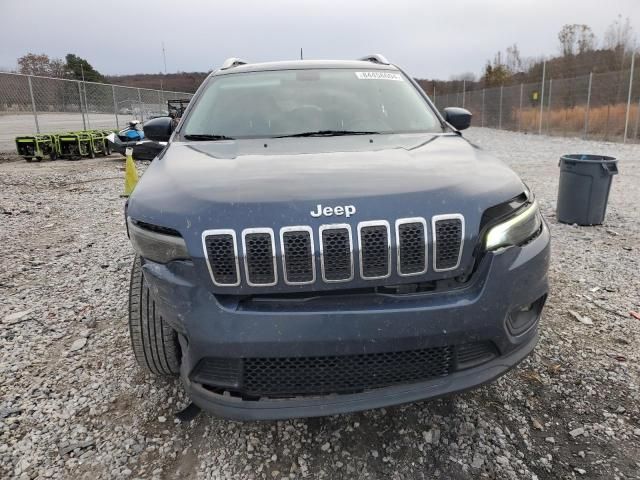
(177, 82)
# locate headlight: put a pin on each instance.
(516, 230)
(155, 246)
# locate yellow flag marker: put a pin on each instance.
(130, 173)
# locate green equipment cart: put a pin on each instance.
(35, 147)
(74, 145)
(85, 143)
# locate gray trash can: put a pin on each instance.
(583, 193)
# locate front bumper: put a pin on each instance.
(505, 281)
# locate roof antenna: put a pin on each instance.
(301, 54)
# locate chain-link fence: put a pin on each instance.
(31, 104)
(602, 106)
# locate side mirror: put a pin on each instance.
(459, 118)
(158, 129)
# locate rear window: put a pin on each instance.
(289, 102)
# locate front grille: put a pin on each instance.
(343, 374)
(374, 250)
(448, 233)
(259, 251)
(297, 252)
(295, 376)
(408, 253)
(337, 254)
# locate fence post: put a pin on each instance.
(33, 105)
(140, 105)
(520, 107)
(482, 114)
(626, 119)
(500, 113)
(635, 133)
(115, 104)
(464, 91)
(549, 105)
(544, 69)
(434, 94)
(586, 113)
(84, 123)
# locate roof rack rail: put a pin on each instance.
(232, 62)
(376, 58)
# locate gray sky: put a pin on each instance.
(428, 38)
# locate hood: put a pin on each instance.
(312, 170)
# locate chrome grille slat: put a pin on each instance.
(336, 252)
(259, 257)
(411, 246)
(298, 262)
(221, 250)
(375, 249)
(448, 234)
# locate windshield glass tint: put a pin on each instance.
(289, 102)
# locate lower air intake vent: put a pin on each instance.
(448, 232)
(223, 257)
(293, 376)
(259, 256)
(337, 256)
(343, 374)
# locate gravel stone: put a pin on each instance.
(577, 432)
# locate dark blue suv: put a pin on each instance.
(317, 238)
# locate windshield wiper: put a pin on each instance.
(327, 133)
(206, 136)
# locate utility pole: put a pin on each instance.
(164, 57)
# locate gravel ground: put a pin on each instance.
(73, 404)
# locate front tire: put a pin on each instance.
(155, 344)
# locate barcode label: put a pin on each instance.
(379, 76)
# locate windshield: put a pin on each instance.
(323, 101)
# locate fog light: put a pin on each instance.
(522, 318)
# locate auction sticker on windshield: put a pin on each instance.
(379, 76)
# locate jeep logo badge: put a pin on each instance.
(338, 210)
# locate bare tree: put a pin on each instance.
(576, 38)
(34, 64)
(513, 62)
(586, 39)
(41, 64)
(58, 68)
(620, 35)
(567, 37)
